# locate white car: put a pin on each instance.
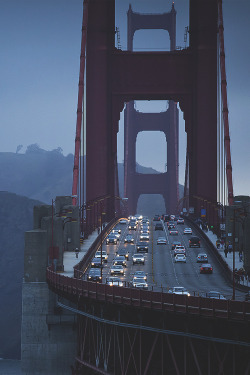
(140, 275)
(104, 255)
(139, 283)
(179, 290)
(161, 241)
(180, 258)
(117, 269)
(144, 237)
(187, 231)
(138, 259)
(114, 280)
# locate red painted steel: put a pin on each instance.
(80, 104)
(167, 122)
(225, 107)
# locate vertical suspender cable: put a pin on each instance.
(225, 107)
(80, 104)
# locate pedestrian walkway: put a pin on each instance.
(228, 257)
(70, 258)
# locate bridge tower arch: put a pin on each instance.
(135, 122)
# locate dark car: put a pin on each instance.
(142, 247)
(202, 258)
(96, 262)
(171, 226)
(194, 242)
(206, 268)
(158, 226)
(123, 253)
(120, 261)
(111, 239)
(166, 218)
(95, 275)
(129, 239)
(156, 218)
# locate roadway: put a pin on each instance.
(163, 273)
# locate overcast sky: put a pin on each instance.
(40, 53)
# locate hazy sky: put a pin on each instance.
(40, 52)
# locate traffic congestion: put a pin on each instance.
(161, 254)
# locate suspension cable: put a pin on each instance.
(225, 107)
(80, 104)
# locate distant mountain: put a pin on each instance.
(16, 217)
(43, 175)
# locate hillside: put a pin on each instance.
(43, 175)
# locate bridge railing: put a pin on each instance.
(227, 309)
(80, 267)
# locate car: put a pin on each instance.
(180, 220)
(179, 251)
(216, 295)
(138, 259)
(202, 258)
(117, 269)
(175, 243)
(156, 218)
(161, 241)
(102, 254)
(206, 268)
(129, 239)
(142, 247)
(194, 242)
(179, 290)
(111, 238)
(138, 217)
(140, 274)
(116, 230)
(145, 228)
(120, 260)
(116, 233)
(140, 283)
(171, 226)
(144, 236)
(122, 252)
(114, 280)
(180, 258)
(166, 218)
(96, 262)
(173, 232)
(158, 226)
(187, 231)
(132, 226)
(179, 248)
(123, 221)
(95, 275)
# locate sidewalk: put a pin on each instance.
(229, 258)
(69, 257)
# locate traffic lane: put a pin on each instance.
(130, 269)
(218, 282)
(207, 282)
(168, 273)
